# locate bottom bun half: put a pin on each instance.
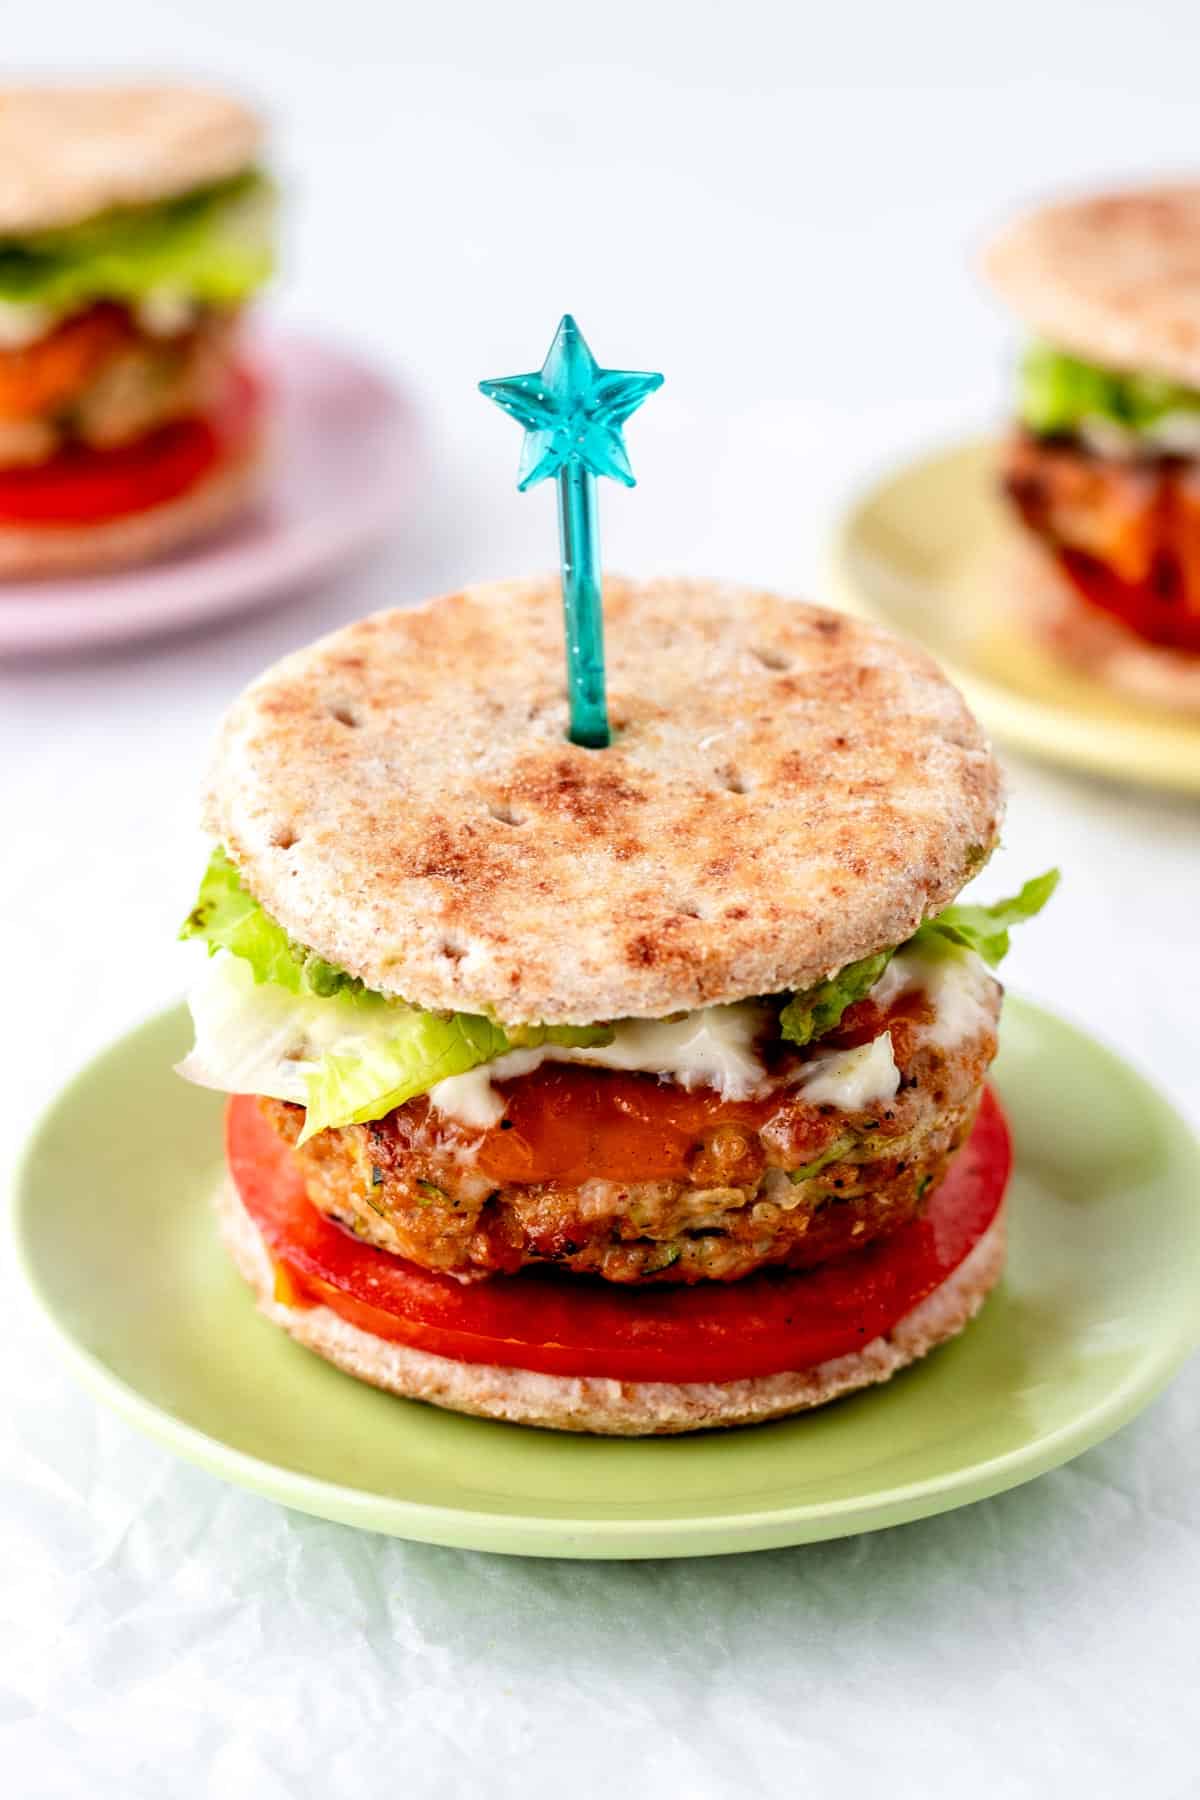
(591, 1403)
(30, 552)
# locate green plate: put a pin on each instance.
(922, 552)
(1098, 1308)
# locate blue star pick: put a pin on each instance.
(572, 410)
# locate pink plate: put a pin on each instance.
(345, 467)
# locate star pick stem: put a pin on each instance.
(583, 606)
(573, 411)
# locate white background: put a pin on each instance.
(778, 206)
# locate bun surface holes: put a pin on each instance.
(733, 781)
(771, 659)
(504, 815)
(345, 716)
(283, 837)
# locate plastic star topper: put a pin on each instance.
(573, 411)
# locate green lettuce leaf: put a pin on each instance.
(293, 1025)
(363, 1053)
(404, 1051)
(1056, 393)
(572, 1037)
(226, 917)
(985, 929)
(811, 1014)
(214, 245)
(412, 1052)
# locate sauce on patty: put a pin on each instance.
(567, 1123)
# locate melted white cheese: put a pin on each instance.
(254, 1038)
(852, 1079)
(956, 983)
(165, 312)
(259, 1039)
(22, 322)
(1176, 433)
(714, 1047)
(1107, 438)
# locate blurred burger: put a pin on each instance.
(1104, 464)
(631, 1090)
(135, 224)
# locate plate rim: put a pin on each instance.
(600, 1539)
(1027, 724)
(53, 619)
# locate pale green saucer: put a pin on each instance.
(1099, 1307)
(924, 552)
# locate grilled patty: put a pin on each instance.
(100, 380)
(781, 1183)
(1139, 520)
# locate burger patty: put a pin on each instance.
(100, 380)
(1139, 520)
(781, 1182)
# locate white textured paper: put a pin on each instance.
(778, 206)
(166, 1635)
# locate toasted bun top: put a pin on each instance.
(788, 789)
(67, 154)
(1114, 278)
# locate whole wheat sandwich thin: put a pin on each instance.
(1104, 464)
(135, 224)
(626, 1091)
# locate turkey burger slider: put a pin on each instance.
(1103, 465)
(628, 1090)
(135, 224)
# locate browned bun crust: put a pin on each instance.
(788, 789)
(29, 552)
(1113, 277)
(1098, 646)
(69, 153)
(592, 1403)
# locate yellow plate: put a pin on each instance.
(918, 552)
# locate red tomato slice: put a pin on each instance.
(86, 487)
(1160, 618)
(574, 1325)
